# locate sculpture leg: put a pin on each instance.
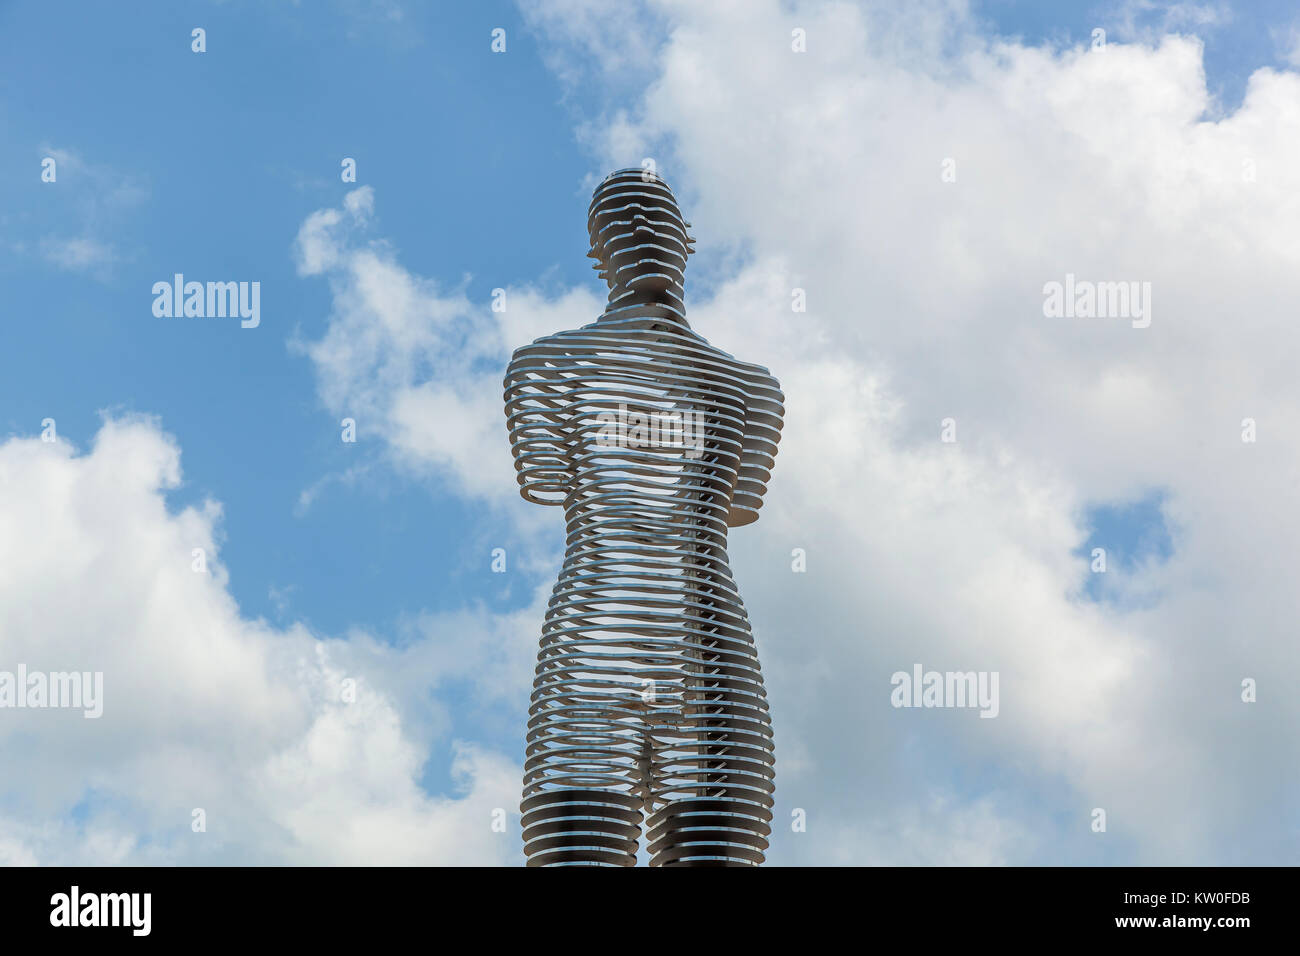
(713, 770)
(720, 815)
(574, 827)
(705, 831)
(583, 793)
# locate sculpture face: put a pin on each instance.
(639, 238)
(648, 697)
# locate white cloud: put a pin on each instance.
(1287, 41)
(416, 364)
(1149, 20)
(96, 197)
(203, 707)
(822, 170)
(78, 255)
(612, 37)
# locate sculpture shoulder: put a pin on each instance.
(750, 372)
(760, 382)
(538, 348)
(538, 358)
(549, 347)
(685, 347)
(760, 376)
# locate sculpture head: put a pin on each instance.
(638, 236)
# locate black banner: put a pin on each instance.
(337, 905)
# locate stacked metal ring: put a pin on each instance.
(648, 696)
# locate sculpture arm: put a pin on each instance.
(535, 402)
(764, 414)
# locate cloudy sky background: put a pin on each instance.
(1170, 156)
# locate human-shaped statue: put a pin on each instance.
(648, 698)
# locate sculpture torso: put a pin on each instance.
(558, 387)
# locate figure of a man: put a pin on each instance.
(648, 700)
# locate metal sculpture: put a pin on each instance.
(648, 698)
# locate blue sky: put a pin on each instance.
(222, 155)
(480, 167)
(225, 158)
(219, 158)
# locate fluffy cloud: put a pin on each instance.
(202, 707)
(824, 171)
(417, 364)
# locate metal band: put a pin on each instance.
(648, 694)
